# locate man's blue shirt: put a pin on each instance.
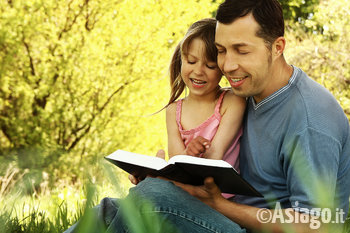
(295, 148)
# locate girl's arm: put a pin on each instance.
(175, 143)
(232, 112)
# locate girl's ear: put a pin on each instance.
(278, 46)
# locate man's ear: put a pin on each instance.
(278, 46)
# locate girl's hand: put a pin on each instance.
(197, 146)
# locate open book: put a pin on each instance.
(185, 169)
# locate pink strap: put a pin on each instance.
(178, 113)
(218, 104)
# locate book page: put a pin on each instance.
(200, 161)
(138, 159)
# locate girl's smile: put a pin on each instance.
(196, 83)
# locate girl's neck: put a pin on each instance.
(210, 97)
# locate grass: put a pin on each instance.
(57, 209)
(45, 214)
(36, 221)
(52, 210)
(49, 213)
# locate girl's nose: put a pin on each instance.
(198, 69)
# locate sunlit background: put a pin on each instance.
(80, 79)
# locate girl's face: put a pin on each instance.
(202, 77)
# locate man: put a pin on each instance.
(295, 135)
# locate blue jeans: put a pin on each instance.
(167, 209)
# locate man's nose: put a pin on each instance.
(230, 63)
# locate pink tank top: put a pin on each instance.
(208, 130)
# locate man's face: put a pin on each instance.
(244, 58)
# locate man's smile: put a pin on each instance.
(237, 78)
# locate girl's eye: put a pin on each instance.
(191, 62)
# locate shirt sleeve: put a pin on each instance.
(310, 164)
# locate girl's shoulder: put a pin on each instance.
(228, 96)
(228, 92)
(171, 108)
(231, 101)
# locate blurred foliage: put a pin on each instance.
(324, 54)
(298, 10)
(84, 72)
(81, 78)
(294, 10)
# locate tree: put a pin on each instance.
(81, 76)
(324, 53)
(298, 10)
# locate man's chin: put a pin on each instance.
(239, 92)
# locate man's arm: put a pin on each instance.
(246, 216)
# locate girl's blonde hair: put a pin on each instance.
(203, 29)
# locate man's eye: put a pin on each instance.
(242, 52)
(212, 67)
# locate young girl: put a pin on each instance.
(207, 122)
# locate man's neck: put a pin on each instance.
(281, 72)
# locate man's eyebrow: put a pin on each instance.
(240, 45)
(237, 45)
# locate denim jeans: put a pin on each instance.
(167, 209)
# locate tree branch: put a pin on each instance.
(68, 25)
(10, 3)
(4, 130)
(31, 63)
(85, 128)
(78, 138)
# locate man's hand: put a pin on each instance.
(209, 193)
(197, 146)
(136, 179)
